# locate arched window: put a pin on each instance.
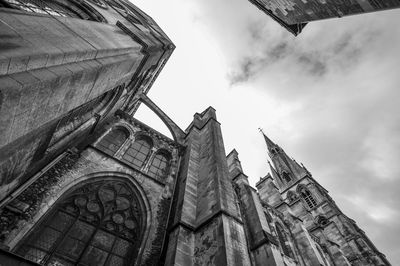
(99, 223)
(286, 176)
(283, 240)
(111, 142)
(61, 8)
(138, 151)
(160, 165)
(308, 197)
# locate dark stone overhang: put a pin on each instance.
(295, 29)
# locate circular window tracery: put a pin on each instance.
(100, 223)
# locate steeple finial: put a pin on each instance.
(270, 143)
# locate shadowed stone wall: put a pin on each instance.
(52, 67)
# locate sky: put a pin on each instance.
(329, 97)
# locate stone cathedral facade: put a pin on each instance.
(82, 182)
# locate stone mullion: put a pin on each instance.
(124, 147)
(149, 159)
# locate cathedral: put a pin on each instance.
(83, 182)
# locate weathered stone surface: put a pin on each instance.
(294, 14)
(52, 66)
(68, 91)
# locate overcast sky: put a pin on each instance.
(329, 97)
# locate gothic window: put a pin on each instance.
(61, 8)
(100, 223)
(159, 166)
(111, 142)
(138, 152)
(286, 176)
(308, 198)
(283, 240)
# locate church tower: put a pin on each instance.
(291, 189)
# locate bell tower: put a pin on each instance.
(292, 190)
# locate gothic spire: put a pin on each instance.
(270, 143)
(284, 169)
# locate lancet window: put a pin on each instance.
(111, 142)
(61, 8)
(138, 151)
(100, 223)
(308, 198)
(160, 165)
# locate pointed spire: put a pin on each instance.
(270, 143)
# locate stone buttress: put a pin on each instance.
(206, 228)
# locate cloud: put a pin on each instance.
(329, 97)
(312, 59)
(340, 75)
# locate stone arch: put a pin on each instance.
(165, 152)
(47, 210)
(143, 135)
(138, 151)
(160, 164)
(307, 196)
(114, 139)
(176, 131)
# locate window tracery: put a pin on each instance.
(159, 166)
(138, 152)
(100, 223)
(111, 142)
(308, 197)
